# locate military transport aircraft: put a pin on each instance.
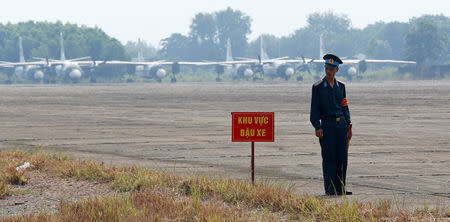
(156, 70)
(353, 67)
(28, 70)
(246, 68)
(276, 67)
(70, 69)
(73, 69)
(36, 70)
(143, 69)
(148, 70)
(284, 67)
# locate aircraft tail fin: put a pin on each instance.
(229, 55)
(321, 47)
(21, 57)
(61, 42)
(140, 55)
(263, 53)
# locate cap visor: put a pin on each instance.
(329, 66)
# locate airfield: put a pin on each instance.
(400, 147)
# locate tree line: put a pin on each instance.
(42, 39)
(424, 39)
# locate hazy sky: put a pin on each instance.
(154, 20)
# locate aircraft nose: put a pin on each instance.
(161, 73)
(75, 74)
(289, 72)
(38, 75)
(248, 73)
(352, 71)
(19, 70)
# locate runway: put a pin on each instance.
(400, 147)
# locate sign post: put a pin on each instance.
(252, 127)
(253, 162)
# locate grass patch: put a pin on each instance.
(14, 177)
(149, 205)
(387, 73)
(165, 196)
(4, 190)
(23, 192)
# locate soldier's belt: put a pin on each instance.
(332, 118)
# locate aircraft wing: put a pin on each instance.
(117, 62)
(15, 64)
(280, 58)
(218, 63)
(255, 61)
(389, 61)
(247, 61)
(6, 65)
(356, 61)
(199, 63)
(54, 62)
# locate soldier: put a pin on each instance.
(330, 117)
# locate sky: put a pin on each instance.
(153, 20)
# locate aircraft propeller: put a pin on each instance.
(259, 67)
(304, 66)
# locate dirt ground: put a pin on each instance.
(400, 147)
(44, 192)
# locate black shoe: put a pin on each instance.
(345, 193)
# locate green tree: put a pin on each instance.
(393, 34)
(442, 23)
(176, 47)
(379, 49)
(41, 39)
(203, 32)
(328, 22)
(208, 37)
(335, 30)
(424, 42)
(235, 25)
(203, 28)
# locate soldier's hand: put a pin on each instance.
(319, 133)
(349, 133)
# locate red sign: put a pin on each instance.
(252, 127)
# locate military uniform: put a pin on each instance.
(329, 112)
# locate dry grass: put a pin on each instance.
(14, 177)
(8, 174)
(156, 195)
(4, 190)
(146, 206)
